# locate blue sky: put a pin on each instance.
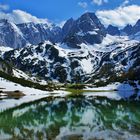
(60, 10)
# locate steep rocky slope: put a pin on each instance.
(86, 29)
(89, 63)
(20, 35)
(82, 51)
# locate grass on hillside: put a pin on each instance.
(27, 83)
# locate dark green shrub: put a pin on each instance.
(76, 86)
(26, 83)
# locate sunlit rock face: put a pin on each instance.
(10, 35)
(37, 33)
(19, 35)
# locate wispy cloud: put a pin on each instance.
(4, 7)
(19, 16)
(120, 16)
(125, 3)
(99, 2)
(83, 4)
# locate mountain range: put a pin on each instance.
(127, 30)
(82, 51)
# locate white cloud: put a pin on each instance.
(3, 7)
(18, 16)
(99, 2)
(120, 16)
(83, 4)
(125, 3)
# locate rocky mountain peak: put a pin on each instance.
(89, 21)
(10, 35)
(67, 27)
(112, 30)
(127, 29)
(89, 15)
(136, 27)
(86, 29)
(138, 23)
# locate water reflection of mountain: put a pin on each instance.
(78, 118)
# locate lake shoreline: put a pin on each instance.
(20, 94)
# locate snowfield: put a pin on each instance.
(115, 86)
(124, 91)
(31, 94)
(4, 49)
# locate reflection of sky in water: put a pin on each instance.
(82, 117)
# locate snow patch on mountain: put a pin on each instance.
(62, 63)
(87, 65)
(4, 49)
(31, 94)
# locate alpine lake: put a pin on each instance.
(72, 118)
